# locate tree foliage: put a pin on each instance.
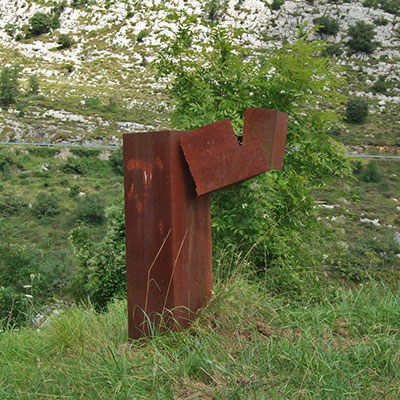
(212, 78)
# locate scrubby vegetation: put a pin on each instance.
(362, 35)
(356, 110)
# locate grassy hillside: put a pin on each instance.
(260, 348)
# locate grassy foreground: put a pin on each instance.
(245, 345)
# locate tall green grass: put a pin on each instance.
(245, 344)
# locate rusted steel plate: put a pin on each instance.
(168, 234)
(216, 158)
(267, 128)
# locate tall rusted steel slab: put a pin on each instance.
(168, 224)
(216, 159)
(267, 128)
(168, 234)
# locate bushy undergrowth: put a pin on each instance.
(327, 25)
(46, 205)
(101, 268)
(11, 202)
(27, 278)
(356, 110)
(91, 209)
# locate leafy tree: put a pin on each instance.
(40, 23)
(361, 37)
(9, 86)
(212, 79)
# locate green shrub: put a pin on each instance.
(361, 38)
(381, 21)
(74, 190)
(55, 21)
(59, 8)
(9, 86)
(33, 84)
(390, 6)
(356, 111)
(333, 50)
(39, 23)
(328, 25)
(91, 209)
(101, 266)
(64, 41)
(46, 205)
(277, 4)
(92, 102)
(79, 3)
(74, 165)
(11, 202)
(26, 30)
(43, 151)
(117, 161)
(69, 67)
(381, 85)
(7, 159)
(10, 29)
(370, 172)
(141, 35)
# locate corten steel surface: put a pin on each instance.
(168, 225)
(168, 233)
(267, 128)
(216, 159)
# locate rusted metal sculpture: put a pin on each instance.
(169, 177)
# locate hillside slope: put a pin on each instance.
(103, 85)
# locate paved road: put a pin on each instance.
(48, 144)
(103, 146)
